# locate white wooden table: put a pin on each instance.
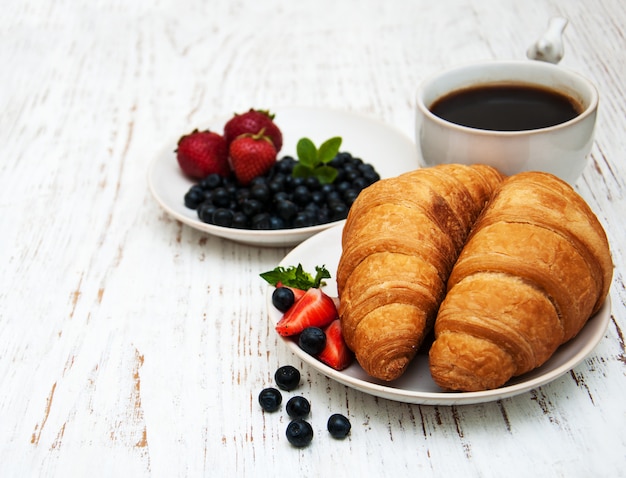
(131, 345)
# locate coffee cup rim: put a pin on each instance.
(590, 109)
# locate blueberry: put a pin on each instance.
(338, 426)
(287, 377)
(338, 161)
(242, 194)
(277, 184)
(371, 176)
(286, 209)
(212, 181)
(338, 211)
(277, 223)
(205, 212)
(318, 196)
(303, 219)
(221, 197)
(312, 340)
(285, 165)
(251, 207)
(299, 433)
(260, 191)
(298, 407)
(360, 183)
(281, 196)
(323, 216)
(194, 197)
(295, 182)
(365, 168)
(312, 183)
(327, 188)
(240, 220)
(223, 217)
(343, 186)
(301, 195)
(333, 196)
(258, 180)
(313, 210)
(350, 196)
(283, 298)
(270, 399)
(260, 221)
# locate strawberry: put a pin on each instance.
(336, 354)
(201, 153)
(314, 309)
(251, 155)
(253, 121)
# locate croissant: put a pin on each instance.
(536, 266)
(399, 243)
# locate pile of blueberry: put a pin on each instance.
(299, 431)
(277, 200)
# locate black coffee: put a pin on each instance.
(506, 107)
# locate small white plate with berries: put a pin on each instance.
(382, 148)
(416, 385)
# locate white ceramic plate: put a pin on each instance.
(416, 385)
(386, 148)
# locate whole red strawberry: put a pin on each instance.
(253, 121)
(201, 153)
(251, 155)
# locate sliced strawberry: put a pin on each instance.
(314, 309)
(297, 293)
(336, 354)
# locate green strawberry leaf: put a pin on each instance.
(297, 277)
(328, 150)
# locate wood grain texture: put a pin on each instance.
(131, 345)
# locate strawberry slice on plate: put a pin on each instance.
(313, 309)
(297, 293)
(336, 354)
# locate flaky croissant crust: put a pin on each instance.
(535, 268)
(399, 244)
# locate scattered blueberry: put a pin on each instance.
(287, 377)
(312, 340)
(283, 298)
(298, 407)
(270, 399)
(338, 426)
(299, 433)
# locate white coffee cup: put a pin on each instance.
(561, 149)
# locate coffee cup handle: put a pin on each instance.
(549, 47)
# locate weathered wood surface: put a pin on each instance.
(131, 345)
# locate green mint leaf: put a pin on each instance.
(325, 174)
(307, 152)
(329, 149)
(321, 273)
(296, 276)
(301, 171)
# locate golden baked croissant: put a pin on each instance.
(400, 241)
(536, 266)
